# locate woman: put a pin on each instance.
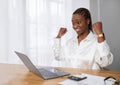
(87, 50)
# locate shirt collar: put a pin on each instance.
(90, 36)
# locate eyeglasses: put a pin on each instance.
(112, 79)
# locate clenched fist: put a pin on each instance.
(61, 32)
(97, 27)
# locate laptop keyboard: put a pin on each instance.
(46, 73)
(51, 72)
(56, 71)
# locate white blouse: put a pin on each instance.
(89, 54)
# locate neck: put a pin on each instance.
(82, 36)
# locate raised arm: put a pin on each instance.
(105, 57)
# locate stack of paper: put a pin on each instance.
(91, 80)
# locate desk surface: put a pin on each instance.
(19, 75)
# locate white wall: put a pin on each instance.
(110, 16)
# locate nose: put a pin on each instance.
(75, 26)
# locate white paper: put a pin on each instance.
(91, 80)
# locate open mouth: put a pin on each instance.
(77, 30)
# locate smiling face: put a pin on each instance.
(80, 24)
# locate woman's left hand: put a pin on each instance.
(97, 27)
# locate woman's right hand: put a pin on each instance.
(61, 32)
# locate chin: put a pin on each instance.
(79, 33)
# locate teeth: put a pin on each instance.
(77, 30)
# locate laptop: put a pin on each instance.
(43, 72)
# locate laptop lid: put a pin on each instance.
(27, 62)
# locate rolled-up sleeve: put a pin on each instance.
(57, 48)
(57, 43)
(105, 57)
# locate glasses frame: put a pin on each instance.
(111, 77)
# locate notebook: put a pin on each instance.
(43, 72)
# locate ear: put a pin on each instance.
(88, 21)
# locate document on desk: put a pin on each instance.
(90, 80)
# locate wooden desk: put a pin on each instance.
(19, 75)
